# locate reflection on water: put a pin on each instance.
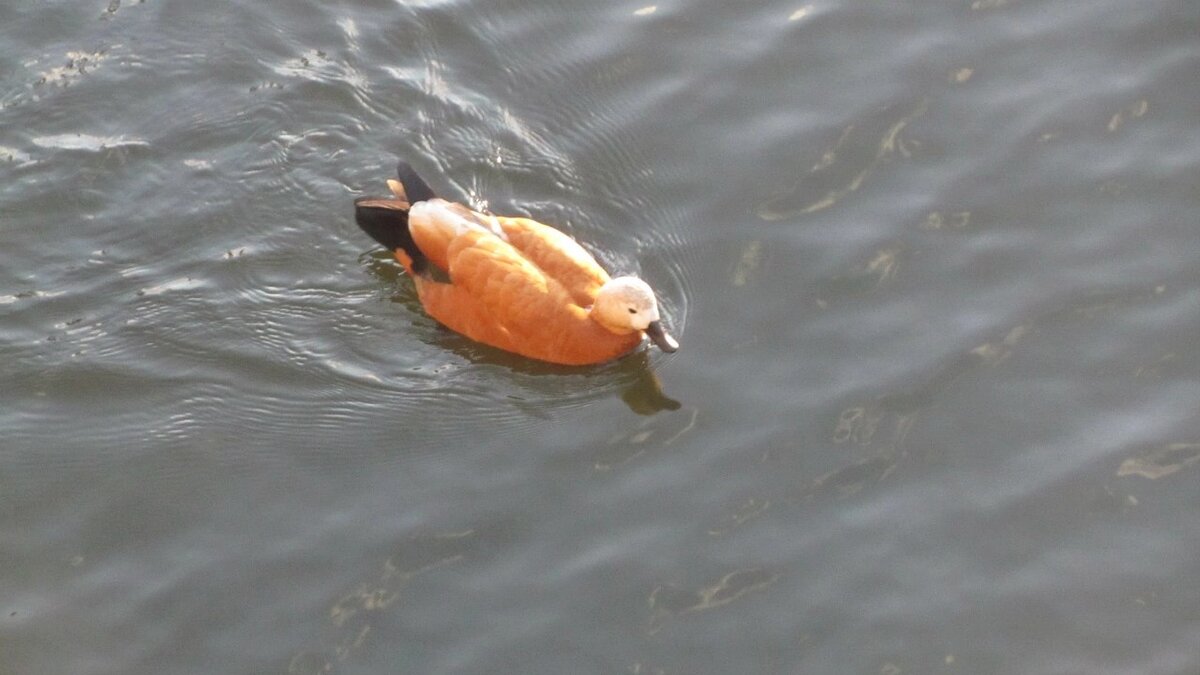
(669, 601)
(1132, 111)
(1161, 462)
(935, 266)
(846, 165)
(748, 262)
(650, 434)
(953, 221)
(751, 508)
(351, 618)
(645, 395)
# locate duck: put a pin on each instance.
(510, 282)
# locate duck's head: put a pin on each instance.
(627, 304)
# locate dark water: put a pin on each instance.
(935, 267)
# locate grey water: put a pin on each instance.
(934, 265)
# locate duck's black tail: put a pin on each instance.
(416, 189)
(385, 219)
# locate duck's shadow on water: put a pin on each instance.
(637, 385)
(631, 376)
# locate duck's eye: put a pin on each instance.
(632, 310)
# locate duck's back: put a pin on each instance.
(435, 223)
(499, 297)
(558, 255)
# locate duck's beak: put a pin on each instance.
(660, 337)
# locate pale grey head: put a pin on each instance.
(627, 304)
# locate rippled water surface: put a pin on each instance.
(935, 266)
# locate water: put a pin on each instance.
(934, 267)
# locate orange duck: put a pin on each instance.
(511, 283)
